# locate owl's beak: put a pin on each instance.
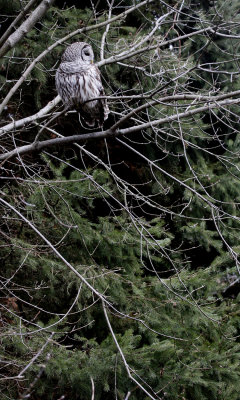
(91, 61)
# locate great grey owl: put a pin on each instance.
(78, 80)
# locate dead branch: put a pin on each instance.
(38, 146)
(19, 17)
(35, 117)
(60, 41)
(26, 26)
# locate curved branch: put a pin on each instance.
(55, 251)
(177, 97)
(129, 370)
(20, 16)
(26, 26)
(38, 146)
(40, 114)
(60, 41)
(128, 53)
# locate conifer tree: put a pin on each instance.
(119, 255)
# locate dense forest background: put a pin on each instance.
(119, 250)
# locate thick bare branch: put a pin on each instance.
(60, 41)
(39, 146)
(178, 97)
(19, 17)
(35, 117)
(26, 26)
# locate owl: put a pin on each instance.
(78, 80)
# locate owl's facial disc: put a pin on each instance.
(87, 54)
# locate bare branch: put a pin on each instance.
(106, 31)
(178, 97)
(19, 17)
(93, 389)
(130, 372)
(26, 395)
(55, 251)
(38, 146)
(128, 53)
(21, 374)
(60, 41)
(26, 26)
(32, 118)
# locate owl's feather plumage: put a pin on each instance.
(78, 80)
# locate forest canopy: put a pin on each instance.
(119, 245)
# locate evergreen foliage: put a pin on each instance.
(145, 240)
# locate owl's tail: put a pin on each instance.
(87, 121)
(93, 117)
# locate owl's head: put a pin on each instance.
(78, 51)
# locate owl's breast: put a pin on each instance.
(77, 83)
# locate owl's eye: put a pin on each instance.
(86, 52)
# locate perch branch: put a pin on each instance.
(38, 146)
